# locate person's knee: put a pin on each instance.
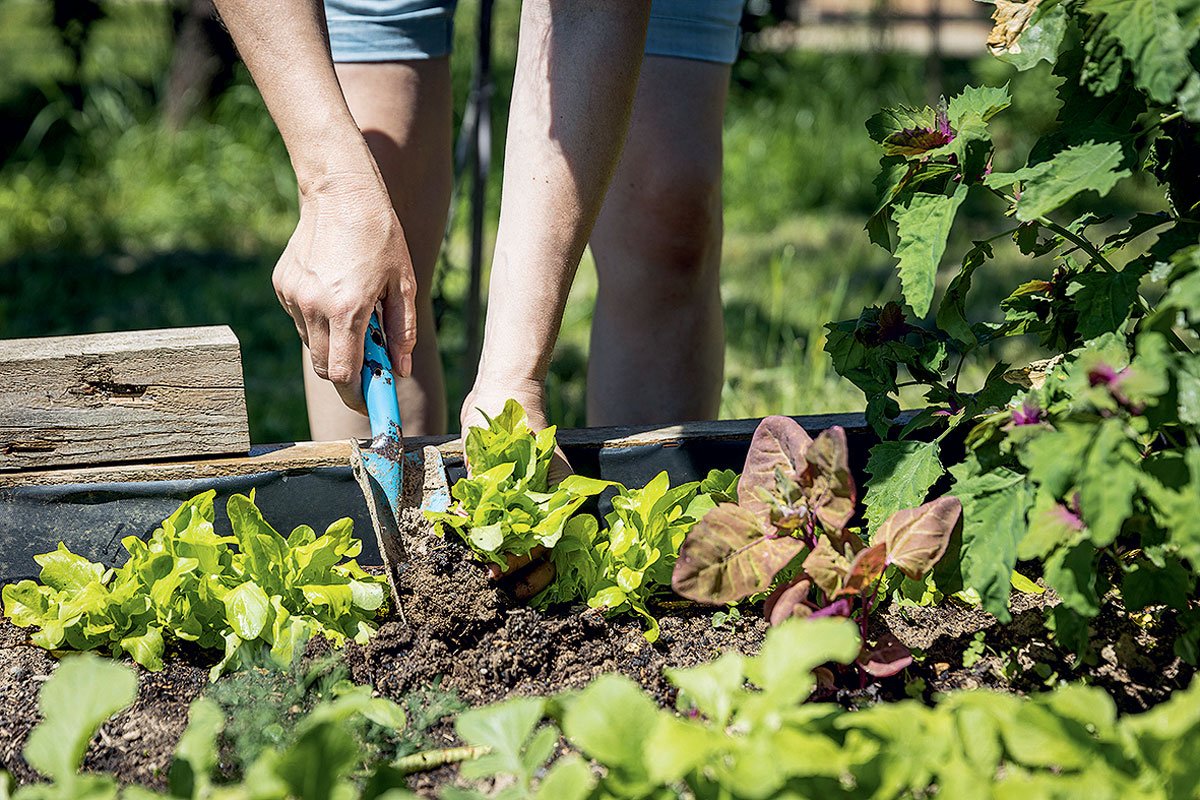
(675, 221)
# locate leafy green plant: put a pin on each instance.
(797, 494)
(506, 506)
(1086, 459)
(621, 567)
(318, 763)
(261, 601)
(743, 732)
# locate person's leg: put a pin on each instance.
(658, 342)
(404, 111)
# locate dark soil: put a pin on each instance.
(1134, 659)
(460, 628)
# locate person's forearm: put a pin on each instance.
(285, 47)
(577, 69)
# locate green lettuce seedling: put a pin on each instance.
(620, 568)
(256, 595)
(506, 506)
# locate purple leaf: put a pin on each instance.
(789, 600)
(867, 566)
(729, 555)
(778, 443)
(827, 567)
(827, 481)
(838, 608)
(885, 658)
(916, 538)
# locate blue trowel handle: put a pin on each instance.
(379, 390)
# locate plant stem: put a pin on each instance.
(432, 759)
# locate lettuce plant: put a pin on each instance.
(253, 594)
(797, 496)
(620, 568)
(506, 506)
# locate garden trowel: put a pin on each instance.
(380, 467)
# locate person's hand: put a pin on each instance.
(527, 575)
(347, 255)
(488, 397)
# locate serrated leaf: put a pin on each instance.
(901, 474)
(981, 102)
(1094, 166)
(1154, 39)
(995, 505)
(923, 227)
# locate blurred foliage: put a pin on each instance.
(108, 221)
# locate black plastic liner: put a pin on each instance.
(93, 518)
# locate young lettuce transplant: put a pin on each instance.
(620, 568)
(506, 506)
(255, 595)
(797, 494)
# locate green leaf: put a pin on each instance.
(1145, 584)
(246, 608)
(487, 537)
(978, 102)
(1094, 166)
(712, 688)
(901, 474)
(146, 649)
(66, 571)
(197, 753)
(83, 692)
(1041, 39)
(952, 311)
(1154, 39)
(995, 505)
(610, 721)
(569, 779)
(505, 728)
(924, 226)
(1071, 571)
(1104, 300)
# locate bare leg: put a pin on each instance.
(658, 339)
(577, 67)
(403, 109)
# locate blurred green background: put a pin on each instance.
(110, 220)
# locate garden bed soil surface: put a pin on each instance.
(459, 628)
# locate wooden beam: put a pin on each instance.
(118, 397)
(304, 456)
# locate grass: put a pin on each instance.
(108, 221)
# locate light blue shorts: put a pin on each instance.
(410, 30)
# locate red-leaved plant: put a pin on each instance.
(797, 493)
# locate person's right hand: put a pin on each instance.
(346, 255)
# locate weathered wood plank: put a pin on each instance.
(116, 397)
(302, 456)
